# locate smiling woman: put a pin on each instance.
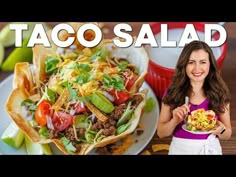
(198, 77)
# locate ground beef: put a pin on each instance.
(109, 131)
(80, 132)
(112, 122)
(97, 126)
(69, 134)
(136, 100)
(117, 113)
(54, 134)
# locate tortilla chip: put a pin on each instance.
(160, 147)
(146, 152)
(125, 144)
(98, 114)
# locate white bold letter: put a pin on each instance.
(164, 37)
(95, 41)
(18, 28)
(55, 32)
(150, 39)
(117, 31)
(188, 31)
(38, 31)
(208, 31)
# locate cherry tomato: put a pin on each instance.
(122, 96)
(42, 111)
(61, 120)
(131, 82)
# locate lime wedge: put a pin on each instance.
(13, 136)
(7, 36)
(2, 52)
(36, 148)
(20, 54)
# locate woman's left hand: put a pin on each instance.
(220, 129)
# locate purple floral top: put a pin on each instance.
(181, 133)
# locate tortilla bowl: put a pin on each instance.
(18, 114)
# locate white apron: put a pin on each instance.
(209, 146)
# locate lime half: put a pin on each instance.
(2, 52)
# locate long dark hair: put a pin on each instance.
(214, 86)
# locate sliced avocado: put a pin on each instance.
(102, 103)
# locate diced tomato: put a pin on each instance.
(131, 82)
(61, 120)
(41, 112)
(80, 107)
(210, 117)
(122, 96)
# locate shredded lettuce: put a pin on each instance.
(68, 144)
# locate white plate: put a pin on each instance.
(198, 132)
(148, 120)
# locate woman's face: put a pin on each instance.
(198, 66)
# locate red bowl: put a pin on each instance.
(159, 76)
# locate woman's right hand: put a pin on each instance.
(180, 113)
